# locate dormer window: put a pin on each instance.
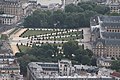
(112, 30)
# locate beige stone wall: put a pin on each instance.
(114, 9)
(12, 8)
(113, 51)
(108, 51)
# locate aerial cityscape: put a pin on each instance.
(59, 39)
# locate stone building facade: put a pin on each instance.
(7, 19)
(114, 5)
(12, 7)
(105, 36)
(64, 70)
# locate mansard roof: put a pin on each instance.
(99, 41)
(100, 1)
(111, 35)
(108, 42)
(112, 42)
(109, 19)
(12, 0)
(111, 25)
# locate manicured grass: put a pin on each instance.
(23, 48)
(35, 32)
(67, 38)
(72, 33)
(41, 32)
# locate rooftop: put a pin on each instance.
(108, 42)
(111, 35)
(110, 24)
(47, 2)
(12, 0)
(108, 59)
(36, 69)
(76, 76)
(110, 18)
(6, 16)
(116, 74)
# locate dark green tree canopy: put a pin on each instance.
(116, 65)
(74, 16)
(49, 53)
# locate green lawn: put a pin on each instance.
(72, 33)
(67, 38)
(40, 32)
(35, 32)
(23, 48)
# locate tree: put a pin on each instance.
(24, 63)
(69, 48)
(36, 20)
(86, 7)
(58, 18)
(89, 53)
(73, 8)
(49, 53)
(116, 65)
(74, 16)
(93, 61)
(85, 60)
(102, 9)
(88, 15)
(20, 54)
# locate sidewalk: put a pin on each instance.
(14, 48)
(15, 36)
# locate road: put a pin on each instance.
(4, 28)
(86, 40)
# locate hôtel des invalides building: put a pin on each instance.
(105, 36)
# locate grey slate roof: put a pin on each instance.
(12, 0)
(111, 25)
(110, 18)
(113, 42)
(100, 1)
(95, 30)
(108, 59)
(109, 38)
(108, 42)
(97, 41)
(113, 35)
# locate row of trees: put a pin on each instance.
(49, 53)
(74, 16)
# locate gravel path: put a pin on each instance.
(15, 36)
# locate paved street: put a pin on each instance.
(86, 40)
